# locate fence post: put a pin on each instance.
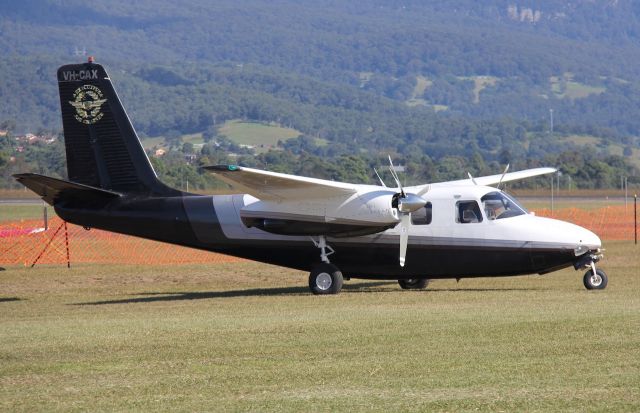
(635, 219)
(45, 216)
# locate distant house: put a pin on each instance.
(160, 152)
(190, 157)
(31, 139)
(3, 132)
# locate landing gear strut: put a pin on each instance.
(325, 278)
(593, 279)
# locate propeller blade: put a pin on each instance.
(502, 177)
(394, 174)
(404, 236)
(380, 179)
(424, 190)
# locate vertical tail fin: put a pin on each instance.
(103, 149)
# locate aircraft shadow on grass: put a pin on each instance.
(150, 297)
(9, 299)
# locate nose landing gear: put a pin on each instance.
(593, 279)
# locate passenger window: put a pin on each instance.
(422, 216)
(468, 212)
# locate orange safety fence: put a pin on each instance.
(609, 223)
(26, 242)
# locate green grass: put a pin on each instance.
(239, 337)
(259, 135)
(16, 212)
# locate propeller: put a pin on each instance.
(405, 204)
(502, 177)
(380, 179)
(472, 178)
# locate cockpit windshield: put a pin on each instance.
(498, 205)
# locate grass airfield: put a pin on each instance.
(244, 336)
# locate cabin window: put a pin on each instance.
(422, 216)
(498, 205)
(468, 212)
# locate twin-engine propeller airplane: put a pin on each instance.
(335, 230)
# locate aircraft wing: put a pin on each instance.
(493, 179)
(276, 186)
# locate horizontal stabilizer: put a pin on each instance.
(54, 190)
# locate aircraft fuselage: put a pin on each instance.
(442, 248)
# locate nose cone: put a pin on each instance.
(553, 230)
(590, 239)
(411, 202)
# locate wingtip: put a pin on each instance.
(221, 168)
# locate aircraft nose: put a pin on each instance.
(590, 239)
(566, 233)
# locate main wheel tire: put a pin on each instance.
(597, 281)
(413, 283)
(325, 278)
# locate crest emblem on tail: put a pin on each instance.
(88, 100)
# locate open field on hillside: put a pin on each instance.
(158, 142)
(565, 87)
(258, 135)
(613, 148)
(479, 84)
(244, 336)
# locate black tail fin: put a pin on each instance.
(103, 149)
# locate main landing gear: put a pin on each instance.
(413, 283)
(325, 278)
(594, 279)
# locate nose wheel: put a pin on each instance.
(595, 279)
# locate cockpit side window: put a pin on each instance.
(498, 205)
(468, 212)
(423, 215)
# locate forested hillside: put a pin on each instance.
(443, 86)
